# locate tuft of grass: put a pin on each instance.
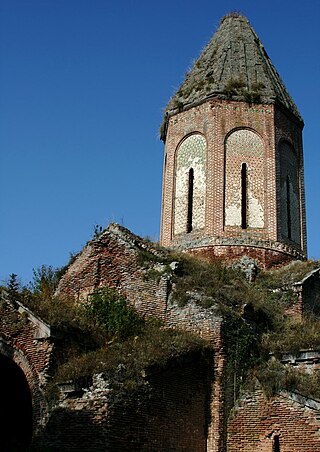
(234, 87)
(125, 364)
(292, 335)
(274, 376)
(286, 276)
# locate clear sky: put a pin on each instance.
(83, 84)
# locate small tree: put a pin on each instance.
(13, 287)
(45, 281)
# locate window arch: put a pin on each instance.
(289, 192)
(244, 202)
(190, 185)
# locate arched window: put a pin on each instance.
(244, 193)
(190, 200)
(190, 185)
(289, 194)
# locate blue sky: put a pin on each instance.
(83, 84)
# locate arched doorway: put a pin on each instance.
(15, 407)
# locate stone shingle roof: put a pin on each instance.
(234, 65)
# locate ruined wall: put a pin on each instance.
(25, 340)
(118, 259)
(308, 292)
(288, 420)
(172, 415)
(115, 260)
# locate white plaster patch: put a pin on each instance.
(233, 215)
(255, 213)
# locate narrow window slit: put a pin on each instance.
(244, 196)
(190, 200)
(276, 444)
(288, 207)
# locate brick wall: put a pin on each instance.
(22, 340)
(256, 421)
(113, 260)
(173, 415)
(308, 293)
(288, 133)
(230, 128)
(244, 163)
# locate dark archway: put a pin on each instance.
(15, 407)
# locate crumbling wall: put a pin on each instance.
(26, 341)
(308, 291)
(172, 414)
(115, 260)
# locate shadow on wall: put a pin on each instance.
(15, 407)
(170, 413)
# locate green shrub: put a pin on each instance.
(110, 311)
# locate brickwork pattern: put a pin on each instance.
(19, 341)
(191, 154)
(256, 420)
(217, 119)
(172, 416)
(288, 130)
(244, 146)
(289, 193)
(113, 260)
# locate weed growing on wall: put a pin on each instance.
(109, 310)
(273, 377)
(125, 364)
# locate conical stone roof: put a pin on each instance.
(234, 65)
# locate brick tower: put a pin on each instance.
(233, 167)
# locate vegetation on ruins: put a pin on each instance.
(106, 335)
